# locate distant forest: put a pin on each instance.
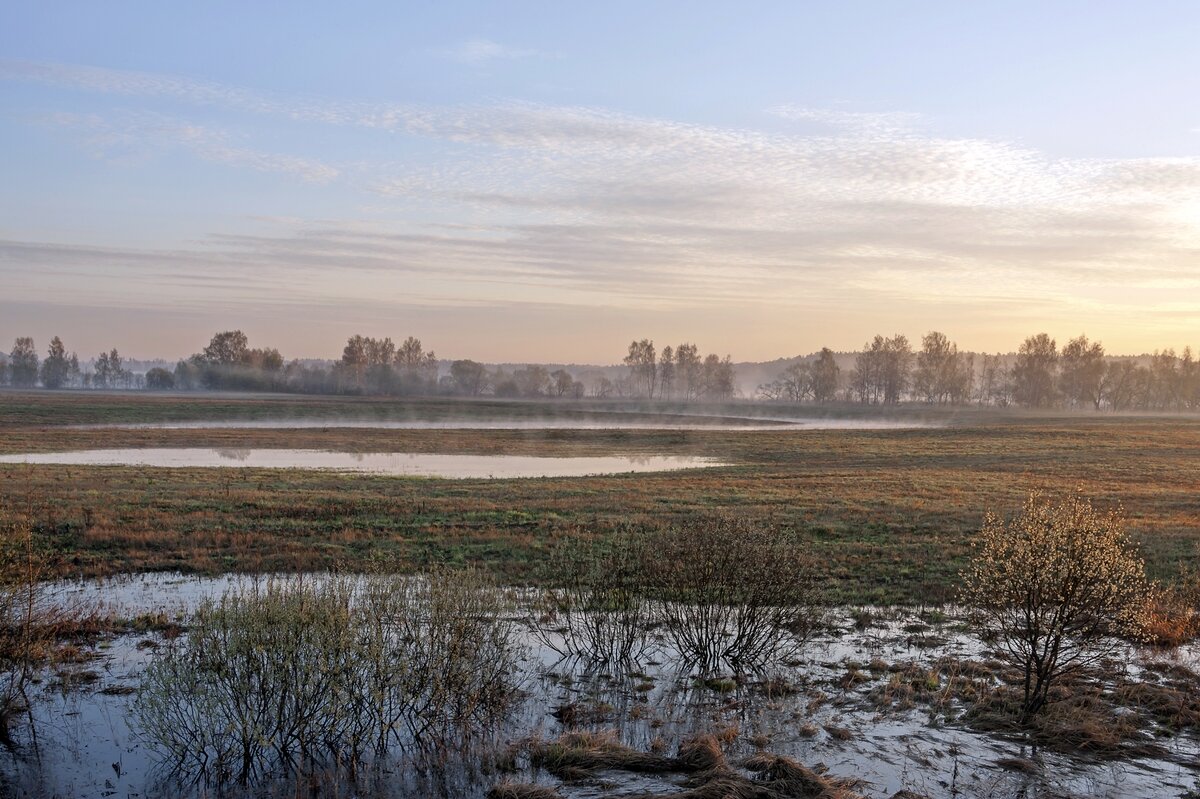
(886, 372)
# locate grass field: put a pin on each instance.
(890, 513)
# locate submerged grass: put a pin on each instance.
(298, 676)
(585, 756)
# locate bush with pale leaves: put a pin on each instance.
(1053, 588)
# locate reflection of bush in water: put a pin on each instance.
(599, 611)
(297, 675)
(724, 592)
(233, 454)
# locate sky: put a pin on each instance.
(547, 181)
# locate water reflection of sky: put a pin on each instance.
(89, 746)
(404, 464)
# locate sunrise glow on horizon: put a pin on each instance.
(545, 183)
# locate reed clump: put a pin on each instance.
(522, 790)
(597, 608)
(725, 592)
(733, 592)
(301, 675)
(575, 756)
(36, 631)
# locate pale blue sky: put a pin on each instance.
(547, 181)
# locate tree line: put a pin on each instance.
(375, 366)
(676, 374)
(888, 371)
(23, 369)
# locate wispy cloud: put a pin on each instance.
(575, 205)
(867, 121)
(134, 136)
(479, 51)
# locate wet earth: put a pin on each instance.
(835, 707)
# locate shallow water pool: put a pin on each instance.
(400, 464)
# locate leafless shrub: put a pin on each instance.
(299, 675)
(462, 652)
(732, 592)
(33, 624)
(597, 609)
(20, 599)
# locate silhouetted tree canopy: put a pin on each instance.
(23, 364)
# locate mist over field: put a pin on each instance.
(703, 400)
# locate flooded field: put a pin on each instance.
(870, 697)
(400, 464)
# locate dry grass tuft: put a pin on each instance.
(1079, 719)
(1175, 707)
(786, 777)
(1171, 618)
(579, 755)
(701, 754)
(521, 790)
(838, 733)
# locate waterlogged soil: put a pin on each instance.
(397, 464)
(820, 708)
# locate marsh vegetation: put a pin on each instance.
(296, 675)
(563, 637)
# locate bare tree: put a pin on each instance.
(718, 377)
(1125, 385)
(643, 368)
(994, 385)
(882, 370)
(688, 371)
(866, 377)
(470, 378)
(532, 381)
(943, 374)
(1033, 374)
(897, 365)
(794, 384)
(226, 349)
(56, 369)
(826, 375)
(666, 373)
(23, 364)
(603, 388)
(563, 383)
(1164, 381)
(1081, 378)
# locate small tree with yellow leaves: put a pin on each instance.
(1053, 587)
